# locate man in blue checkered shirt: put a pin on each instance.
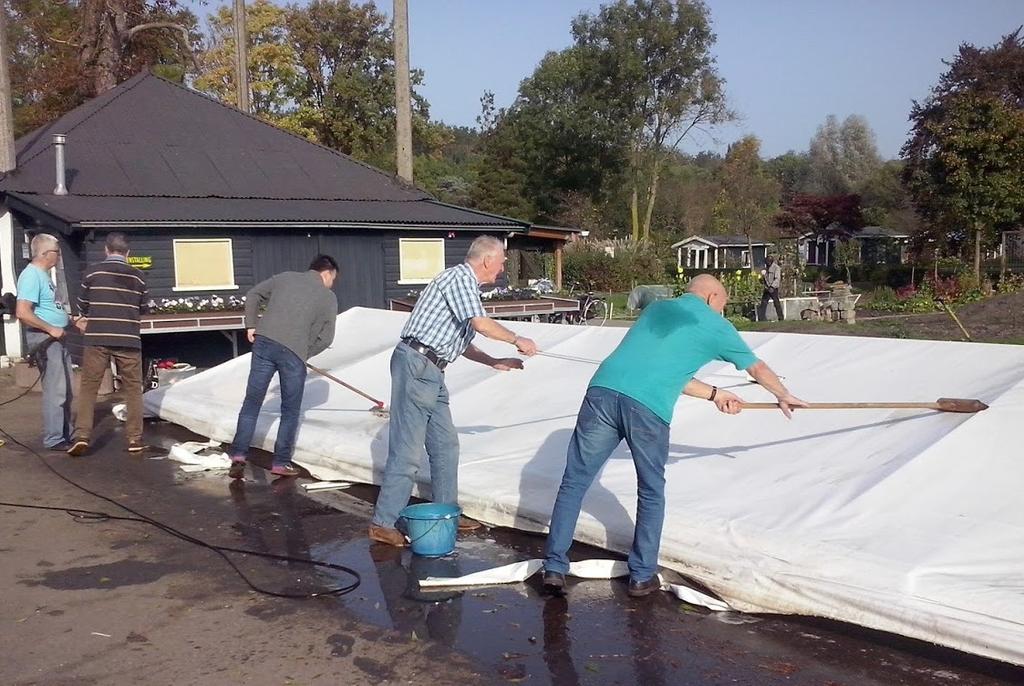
(447, 316)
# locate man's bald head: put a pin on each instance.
(710, 290)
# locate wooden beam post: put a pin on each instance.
(241, 56)
(7, 158)
(558, 266)
(403, 95)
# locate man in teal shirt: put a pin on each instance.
(45, 321)
(632, 397)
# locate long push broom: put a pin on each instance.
(378, 408)
(961, 405)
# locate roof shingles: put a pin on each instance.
(152, 150)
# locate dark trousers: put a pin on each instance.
(762, 309)
(268, 358)
(95, 362)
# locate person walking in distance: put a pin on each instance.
(112, 297)
(447, 315)
(299, 311)
(771, 279)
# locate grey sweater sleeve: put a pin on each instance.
(322, 334)
(255, 300)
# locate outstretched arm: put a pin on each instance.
(769, 380)
(502, 364)
(492, 329)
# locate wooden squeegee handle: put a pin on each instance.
(964, 405)
(350, 387)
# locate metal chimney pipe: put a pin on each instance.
(58, 145)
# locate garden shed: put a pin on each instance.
(720, 252)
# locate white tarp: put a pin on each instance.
(905, 521)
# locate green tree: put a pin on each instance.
(792, 170)
(750, 196)
(848, 255)
(842, 156)
(344, 94)
(650, 64)
(272, 59)
(63, 52)
(448, 172)
(556, 138)
(885, 201)
(970, 179)
(45, 73)
(966, 150)
(690, 189)
(501, 173)
(117, 38)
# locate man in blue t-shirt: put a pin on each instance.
(632, 396)
(45, 320)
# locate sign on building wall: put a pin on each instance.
(141, 261)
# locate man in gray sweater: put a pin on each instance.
(299, 309)
(771, 279)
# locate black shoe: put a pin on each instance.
(553, 582)
(237, 470)
(61, 447)
(79, 447)
(638, 589)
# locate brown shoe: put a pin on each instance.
(137, 447)
(383, 534)
(285, 470)
(237, 469)
(467, 524)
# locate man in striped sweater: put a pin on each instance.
(112, 297)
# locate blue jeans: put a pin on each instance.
(270, 357)
(420, 418)
(56, 384)
(605, 418)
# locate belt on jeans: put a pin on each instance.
(427, 352)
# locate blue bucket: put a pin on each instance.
(431, 528)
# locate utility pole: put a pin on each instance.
(241, 56)
(403, 97)
(7, 158)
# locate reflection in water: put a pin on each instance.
(274, 525)
(416, 613)
(557, 644)
(649, 657)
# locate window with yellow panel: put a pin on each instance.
(203, 264)
(420, 259)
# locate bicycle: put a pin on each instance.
(593, 310)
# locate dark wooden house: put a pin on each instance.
(214, 200)
(877, 245)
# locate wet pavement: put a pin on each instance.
(111, 602)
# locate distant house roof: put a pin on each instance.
(153, 151)
(880, 232)
(869, 232)
(721, 241)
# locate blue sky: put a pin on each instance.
(788, 63)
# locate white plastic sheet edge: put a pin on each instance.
(583, 569)
(187, 454)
